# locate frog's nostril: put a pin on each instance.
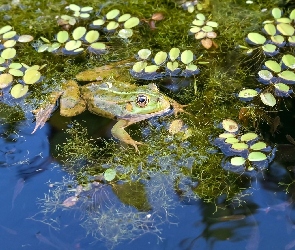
(142, 100)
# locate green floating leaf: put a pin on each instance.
(174, 54)
(98, 46)
(187, 56)
(139, 66)
(278, 39)
(15, 65)
(78, 33)
(25, 38)
(124, 18)
(44, 39)
(258, 145)
(84, 15)
(200, 35)
(198, 22)
(287, 75)
(237, 161)
(2, 60)
(207, 28)
(72, 45)
(231, 140)
(289, 61)
(265, 74)
(268, 99)
(285, 29)
(151, 68)
(248, 93)
(92, 36)
(195, 29)
(74, 7)
(31, 76)
(200, 16)
(226, 135)
(109, 174)
(273, 66)
(284, 20)
(256, 38)
(9, 43)
(5, 80)
(79, 50)
(160, 57)
(248, 137)
(282, 87)
(9, 34)
(112, 14)
(144, 54)
(62, 36)
(43, 48)
(230, 125)
(212, 24)
(270, 29)
(191, 67)
(257, 156)
(98, 22)
(86, 9)
(239, 146)
(53, 47)
(112, 25)
(292, 15)
(131, 22)
(19, 90)
(125, 33)
(172, 65)
(269, 48)
(5, 29)
(276, 13)
(16, 72)
(8, 53)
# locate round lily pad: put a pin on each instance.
(131, 22)
(5, 29)
(72, 45)
(9, 43)
(160, 57)
(2, 60)
(86, 9)
(109, 174)
(248, 93)
(8, 53)
(78, 33)
(226, 135)
(124, 18)
(237, 161)
(5, 80)
(198, 22)
(268, 99)
(200, 16)
(269, 48)
(248, 136)
(212, 24)
(125, 33)
(239, 146)
(276, 13)
(31, 76)
(292, 14)
(257, 156)
(98, 46)
(174, 54)
(172, 65)
(191, 67)
(84, 15)
(230, 125)
(112, 25)
(144, 54)
(256, 38)
(273, 66)
(62, 36)
(278, 39)
(194, 29)
(25, 38)
(98, 22)
(207, 28)
(285, 29)
(15, 65)
(151, 68)
(92, 36)
(231, 140)
(287, 75)
(74, 7)
(289, 61)
(53, 47)
(258, 145)
(282, 87)
(112, 14)
(19, 90)
(270, 29)
(265, 74)
(139, 66)
(9, 34)
(201, 34)
(284, 20)
(187, 56)
(16, 72)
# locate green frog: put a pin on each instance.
(121, 101)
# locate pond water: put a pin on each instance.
(200, 180)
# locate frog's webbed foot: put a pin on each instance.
(119, 132)
(178, 108)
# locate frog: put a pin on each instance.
(124, 102)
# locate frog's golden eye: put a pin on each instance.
(142, 100)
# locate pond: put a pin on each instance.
(147, 125)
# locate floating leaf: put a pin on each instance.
(62, 36)
(200, 16)
(198, 22)
(43, 48)
(278, 39)
(257, 156)
(237, 161)
(53, 47)
(284, 20)
(125, 33)
(74, 7)
(191, 67)
(276, 13)
(248, 137)
(226, 135)
(172, 65)
(72, 45)
(92, 36)
(265, 74)
(282, 87)
(248, 93)
(211, 34)
(124, 18)
(5, 80)
(2, 60)
(174, 54)
(15, 65)
(44, 39)
(270, 29)
(112, 25)
(207, 43)
(8, 53)
(98, 46)
(78, 33)
(273, 66)
(160, 57)
(31, 76)
(194, 29)
(9, 43)
(98, 22)
(258, 146)
(239, 146)
(5, 29)
(109, 174)
(212, 24)
(144, 54)
(25, 38)
(292, 15)
(231, 140)
(256, 38)
(151, 68)
(285, 29)
(268, 99)
(269, 48)
(207, 28)
(139, 66)
(287, 75)
(19, 90)
(187, 56)
(289, 61)
(9, 35)
(200, 35)
(16, 72)
(84, 15)
(131, 22)
(230, 125)
(86, 9)
(112, 14)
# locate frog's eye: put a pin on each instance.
(142, 100)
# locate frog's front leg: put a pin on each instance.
(119, 132)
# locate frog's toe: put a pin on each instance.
(135, 143)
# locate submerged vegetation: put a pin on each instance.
(111, 184)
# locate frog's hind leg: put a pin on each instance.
(119, 132)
